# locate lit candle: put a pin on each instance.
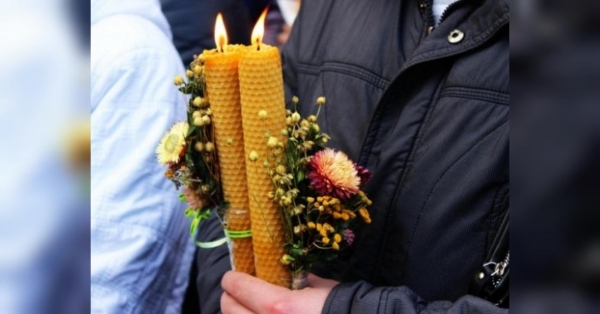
(222, 84)
(261, 86)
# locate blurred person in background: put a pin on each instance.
(140, 245)
(279, 21)
(193, 21)
(44, 208)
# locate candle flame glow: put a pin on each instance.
(220, 33)
(259, 29)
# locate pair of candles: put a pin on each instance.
(242, 81)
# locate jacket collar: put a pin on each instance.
(477, 20)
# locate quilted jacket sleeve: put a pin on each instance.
(361, 297)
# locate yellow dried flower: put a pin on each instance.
(209, 147)
(206, 120)
(284, 132)
(253, 156)
(198, 121)
(229, 141)
(319, 227)
(199, 147)
(169, 173)
(335, 246)
(328, 227)
(280, 169)
(337, 215)
(325, 240)
(286, 260)
(311, 225)
(350, 213)
(178, 80)
(316, 128)
(171, 145)
(189, 73)
(198, 70)
(272, 142)
(345, 216)
(312, 118)
(337, 238)
(198, 101)
(263, 114)
(295, 100)
(321, 101)
(295, 117)
(287, 201)
(323, 232)
(364, 212)
(196, 114)
(310, 199)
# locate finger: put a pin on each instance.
(230, 306)
(253, 293)
(318, 282)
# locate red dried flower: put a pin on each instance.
(334, 174)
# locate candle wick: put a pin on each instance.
(258, 44)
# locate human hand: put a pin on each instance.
(244, 294)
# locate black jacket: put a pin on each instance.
(429, 115)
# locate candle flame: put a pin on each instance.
(259, 29)
(220, 33)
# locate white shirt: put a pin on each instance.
(438, 8)
(140, 244)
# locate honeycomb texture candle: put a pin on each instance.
(261, 86)
(222, 83)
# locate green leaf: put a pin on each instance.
(191, 130)
(182, 198)
(300, 175)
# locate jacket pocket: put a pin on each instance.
(496, 97)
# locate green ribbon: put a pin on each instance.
(200, 215)
(212, 244)
(238, 234)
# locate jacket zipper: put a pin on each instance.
(426, 7)
(499, 270)
(449, 9)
